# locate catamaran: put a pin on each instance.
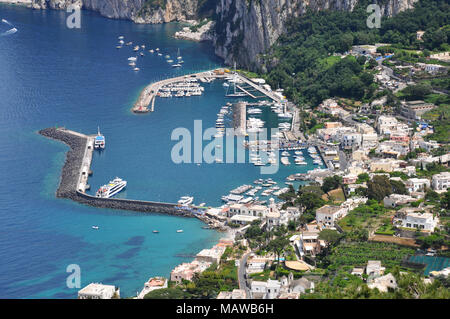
(112, 188)
(99, 141)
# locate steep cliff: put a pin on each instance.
(139, 11)
(246, 28)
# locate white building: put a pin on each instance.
(395, 200)
(417, 184)
(211, 255)
(374, 268)
(409, 218)
(243, 219)
(235, 294)
(327, 215)
(441, 182)
(351, 140)
(256, 265)
(383, 283)
(269, 289)
(99, 291)
(386, 124)
(152, 284)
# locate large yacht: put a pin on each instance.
(112, 188)
(99, 141)
(186, 200)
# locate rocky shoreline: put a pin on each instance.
(70, 174)
(203, 33)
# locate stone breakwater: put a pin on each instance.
(71, 171)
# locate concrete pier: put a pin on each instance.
(74, 177)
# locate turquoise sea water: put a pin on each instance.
(51, 75)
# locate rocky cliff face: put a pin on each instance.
(244, 28)
(247, 28)
(139, 11)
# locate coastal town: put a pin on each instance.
(226, 155)
(372, 215)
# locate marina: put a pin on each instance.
(146, 100)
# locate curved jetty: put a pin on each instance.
(75, 171)
(146, 100)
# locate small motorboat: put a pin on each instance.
(179, 231)
(155, 231)
(95, 227)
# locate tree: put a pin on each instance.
(331, 236)
(363, 177)
(398, 187)
(331, 182)
(379, 187)
(431, 195)
(277, 246)
(166, 293)
(445, 202)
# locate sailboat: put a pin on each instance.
(234, 80)
(179, 57)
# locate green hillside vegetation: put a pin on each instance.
(302, 59)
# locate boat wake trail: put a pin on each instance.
(7, 22)
(10, 31)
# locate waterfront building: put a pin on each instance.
(186, 271)
(243, 219)
(212, 255)
(99, 291)
(152, 284)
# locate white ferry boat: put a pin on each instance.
(112, 188)
(186, 200)
(99, 141)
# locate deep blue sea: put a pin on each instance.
(52, 75)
